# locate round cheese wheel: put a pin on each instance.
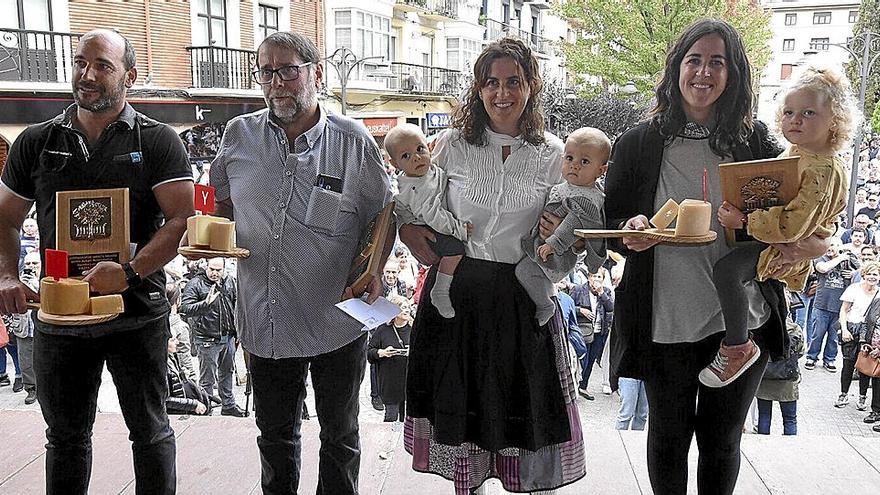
(65, 296)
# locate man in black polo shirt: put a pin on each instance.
(102, 142)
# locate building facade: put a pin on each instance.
(419, 54)
(413, 58)
(804, 31)
(194, 58)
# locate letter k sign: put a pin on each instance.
(200, 112)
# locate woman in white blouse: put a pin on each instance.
(488, 390)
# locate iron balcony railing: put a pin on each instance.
(36, 56)
(446, 8)
(220, 67)
(497, 29)
(413, 78)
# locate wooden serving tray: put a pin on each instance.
(74, 320)
(664, 235)
(199, 252)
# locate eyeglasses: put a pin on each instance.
(286, 73)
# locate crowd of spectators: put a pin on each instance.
(203, 346)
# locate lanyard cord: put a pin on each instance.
(399, 340)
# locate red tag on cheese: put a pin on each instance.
(56, 263)
(204, 201)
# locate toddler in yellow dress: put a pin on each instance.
(817, 116)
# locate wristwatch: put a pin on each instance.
(132, 278)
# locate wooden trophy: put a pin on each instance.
(756, 185)
(92, 226)
(366, 264)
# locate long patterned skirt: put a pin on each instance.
(490, 392)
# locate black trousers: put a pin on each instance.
(730, 275)
(679, 407)
(279, 390)
(68, 371)
(395, 412)
(850, 352)
(875, 395)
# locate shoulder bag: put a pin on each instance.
(865, 363)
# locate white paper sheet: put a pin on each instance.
(381, 311)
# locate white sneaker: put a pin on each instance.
(842, 400)
(862, 405)
(606, 390)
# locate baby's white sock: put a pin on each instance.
(440, 295)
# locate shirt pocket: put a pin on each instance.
(54, 161)
(328, 214)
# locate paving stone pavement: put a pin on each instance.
(816, 413)
(824, 431)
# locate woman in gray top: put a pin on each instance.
(668, 322)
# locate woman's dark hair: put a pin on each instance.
(733, 109)
(471, 118)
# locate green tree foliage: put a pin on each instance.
(869, 20)
(604, 111)
(627, 40)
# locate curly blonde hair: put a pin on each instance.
(836, 87)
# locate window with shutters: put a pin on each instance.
(786, 72)
(36, 55)
(819, 44)
(461, 53)
(821, 17)
(33, 15)
(365, 34)
(210, 28)
(267, 18)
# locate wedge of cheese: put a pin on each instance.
(665, 215)
(65, 296)
(105, 305)
(222, 235)
(197, 233)
(694, 218)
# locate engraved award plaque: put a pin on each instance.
(92, 226)
(366, 266)
(756, 185)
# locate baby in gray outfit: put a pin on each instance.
(422, 196)
(580, 202)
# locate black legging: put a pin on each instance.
(850, 352)
(675, 415)
(730, 275)
(875, 395)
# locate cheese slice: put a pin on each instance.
(665, 215)
(197, 229)
(105, 305)
(694, 218)
(222, 235)
(65, 296)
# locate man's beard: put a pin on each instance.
(298, 103)
(106, 100)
